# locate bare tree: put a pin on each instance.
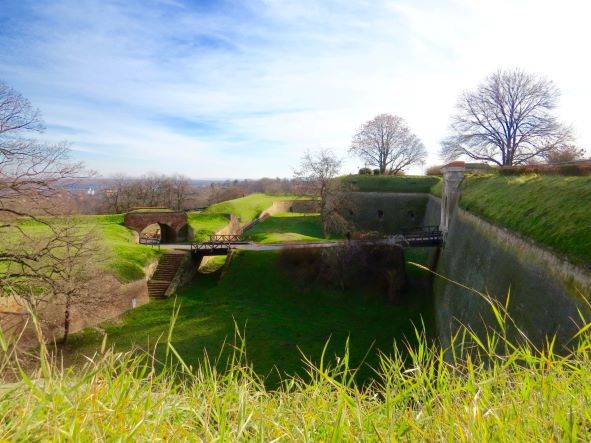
(32, 179)
(180, 187)
(565, 154)
(318, 174)
(507, 120)
(387, 143)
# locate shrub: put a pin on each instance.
(434, 170)
(365, 171)
(376, 172)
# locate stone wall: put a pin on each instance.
(545, 291)
(387, 212)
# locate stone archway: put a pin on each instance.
(171, 223)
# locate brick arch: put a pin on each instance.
(170, 223)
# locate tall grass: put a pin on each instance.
(478, 389)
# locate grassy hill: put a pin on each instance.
(554, 211)
(288, 227)
(391, 183)
(250, 207)
(204, 224)
(123, 256)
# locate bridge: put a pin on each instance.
(218, 244)
(424, 236)
(427, 236)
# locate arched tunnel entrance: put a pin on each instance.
(166, 226)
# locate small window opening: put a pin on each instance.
(380, 214)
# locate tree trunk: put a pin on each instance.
(67, 319)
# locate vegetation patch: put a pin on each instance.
(552, 210)
(281, 319)
(250, 207)
(391, 183)
(124, 258)
(288, 227)
(204, 224)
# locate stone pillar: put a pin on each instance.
(453, 174)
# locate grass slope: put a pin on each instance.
(391, 183)
(490, 390)
(287, 227)
(124, 258)
(127, 259)
(280, 316)
(204, 224)
(248, 208)
(554, 211)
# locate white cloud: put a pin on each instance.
(274, 79)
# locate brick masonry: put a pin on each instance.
(171, 223)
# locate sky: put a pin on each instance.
(241, 89)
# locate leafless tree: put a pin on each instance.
(318, 175)
(32, 180)
(565, 154)
(180, 187)
(507, 120)
(387, 143)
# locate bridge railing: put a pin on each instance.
(425, 234)
(230, 238)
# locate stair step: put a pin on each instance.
(165, 272)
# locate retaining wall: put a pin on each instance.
(388, 212)
(546, 291)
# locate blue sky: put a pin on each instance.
(217, 89)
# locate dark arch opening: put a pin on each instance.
(183, 233)
(167, 234)
(380, 214)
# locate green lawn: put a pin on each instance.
(552, 210)
(391, 183)
(250, 207)
(280, 316)
(287, 227)
(204, 224)
(125, 258)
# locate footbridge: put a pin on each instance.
(424, 236)
(218, 244)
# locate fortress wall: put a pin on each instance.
(545, 290)
(399, 211)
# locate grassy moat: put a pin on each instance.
(282, 320)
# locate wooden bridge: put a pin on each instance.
(425, 236)
(218, 244)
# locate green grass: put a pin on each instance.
(495, 391)
(437, 189)
(250, 207)
(125, 259)
(204, 224)
(391, 183)
(288, 227)
(280, 317)
(552, 210)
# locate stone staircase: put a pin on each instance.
(167, 268)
